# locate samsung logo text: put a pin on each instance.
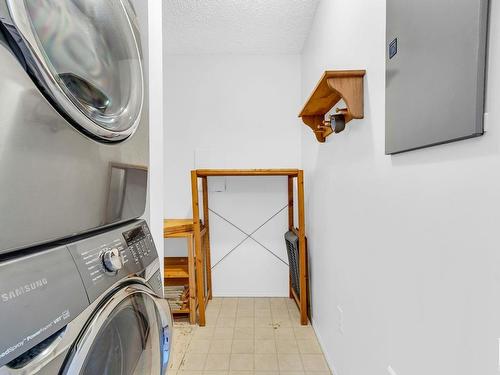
(23, 289)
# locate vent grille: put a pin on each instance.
(292, 246)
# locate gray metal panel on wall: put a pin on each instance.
(436, 76)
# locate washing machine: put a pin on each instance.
(73, 118)
(88, 306)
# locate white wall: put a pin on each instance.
(150, 14)
(234, 111)
(156, 121)
(407, 246)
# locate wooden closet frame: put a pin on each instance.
(202, 231)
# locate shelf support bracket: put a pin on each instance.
(317, 125)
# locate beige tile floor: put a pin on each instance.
(246, 336)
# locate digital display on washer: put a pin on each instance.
(134, 235)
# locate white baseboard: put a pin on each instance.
(328, 358)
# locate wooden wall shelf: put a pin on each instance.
(333, 86)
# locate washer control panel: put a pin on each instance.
(106, 258)
(112, 260)
(139, 242)
(92, 262)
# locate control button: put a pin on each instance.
(112, 260)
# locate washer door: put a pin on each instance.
(130, 334)
(85, 58)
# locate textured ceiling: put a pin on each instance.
(237, 26)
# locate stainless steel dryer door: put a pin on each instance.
(84, 57)
(130, 334)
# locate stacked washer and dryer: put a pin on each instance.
(80, 281)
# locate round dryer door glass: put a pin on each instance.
(91, 53)
(128, 342)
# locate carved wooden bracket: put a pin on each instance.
(334, 86)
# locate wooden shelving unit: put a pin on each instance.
(202, 237)
(181, 271)
(176, 274)
(333, 86)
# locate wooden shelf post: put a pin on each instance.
(302, 250)
(206, 247)
(198, 251)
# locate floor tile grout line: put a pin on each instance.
(284, 306)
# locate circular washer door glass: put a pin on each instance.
(90, 50)
(128, 342)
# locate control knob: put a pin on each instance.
(112, 260)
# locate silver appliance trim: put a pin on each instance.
(77, 359)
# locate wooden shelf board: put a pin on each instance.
(323, 98)
(176, 274)
(173, 227)
(181, 311)
(246, 172)
(179, 228)
(175, 268)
